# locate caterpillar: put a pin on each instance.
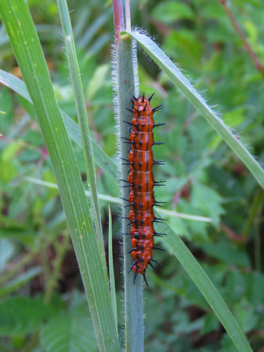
(141, 182)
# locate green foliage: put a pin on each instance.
(24, 315)
(204, 177)
(169, 12)
(69, 331)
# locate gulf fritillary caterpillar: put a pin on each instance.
(141, 182)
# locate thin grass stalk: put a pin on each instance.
(206, 287)
(111, 267)
(82, 116)
(134, 328)
(126, 84)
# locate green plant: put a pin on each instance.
(58, 129)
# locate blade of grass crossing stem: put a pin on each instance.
(125, 74)
(111, 267)
(199, 277)
(116, 200)
(22, 33)
(101, 158)
(82, 115)
(195, 98)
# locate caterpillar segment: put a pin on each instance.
(141, 182)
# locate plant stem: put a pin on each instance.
(42, 252)
(125, 72)
(118, 19)
(128, 15)
(257, 249)
(53, 278)
(82, 118)
(111, 267)
(236, 26)
(254, 209)
(32, 342)
(23, 262)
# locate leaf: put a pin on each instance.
(246, 315)
(71, 332)
(7, 162)
(207, 200)
(97, 82)
(205, 285)
(7, 250)
(210, 323)
(169, 12)
(235, 286)
(20, 280)
(23, 315)
(227, 254)
(82, 119)
(255, 289)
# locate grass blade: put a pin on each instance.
(82, 114)
(29, 55)
(101, 158)
(111, 267)
(204, 284)
(116, 200)
(188, 90)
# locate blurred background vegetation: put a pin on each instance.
(41, 294)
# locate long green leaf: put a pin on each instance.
(69, 331)
(195, 98)
(202, 281)
(29, 55)
(82, 114)
(111, 266)
(173, 240)
(101, 158)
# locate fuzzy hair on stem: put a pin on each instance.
(125, 78)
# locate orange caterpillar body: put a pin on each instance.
(141, 181)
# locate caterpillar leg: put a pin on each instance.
(144, 276)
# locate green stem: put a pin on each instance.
(53, 278)
(111, 268)
(82, 116)
(32, 342)
(43, 256)
(253, 211)
(257, 249)
(23, 262)
(126, 86)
